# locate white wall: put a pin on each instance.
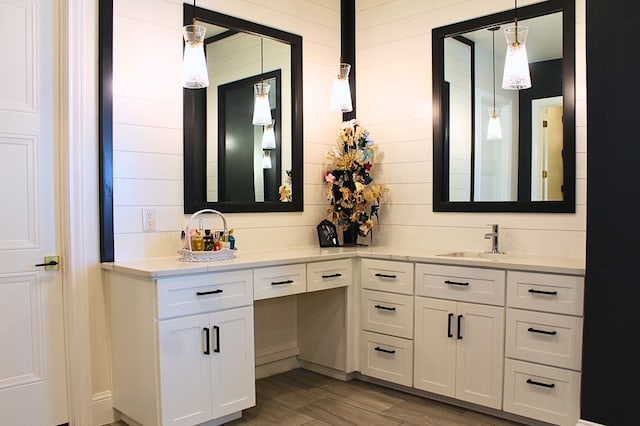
(148, 121)
(394, 102)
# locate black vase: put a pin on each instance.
(350, 235)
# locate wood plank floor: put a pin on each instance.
(300, 397)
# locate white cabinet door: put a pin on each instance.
(232, 361)
(185, 370)
(435, 346)
(459, 349)
(479, 354)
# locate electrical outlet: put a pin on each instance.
(148, 220)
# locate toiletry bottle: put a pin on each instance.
(208, 240)
(232, 240)
(197, 242)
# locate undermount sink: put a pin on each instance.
(475, 255)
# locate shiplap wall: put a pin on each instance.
(393, 40)
(147, 127)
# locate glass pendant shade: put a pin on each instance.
(516, 64)
(494, 129)
(261, 107)
(266, 159)
(269, 137)
(341, 95)
(194, 64)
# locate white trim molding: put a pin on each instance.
(102, 408)
(587, 423)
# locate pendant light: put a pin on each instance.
(269, 136)
(194, 64)
(516, 64)
(266, 159)
(494, 129)
(341, 94)
(261, 107)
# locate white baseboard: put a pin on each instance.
(587, 423)
(276, 363)
(102, 408)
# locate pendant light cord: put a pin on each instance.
(493, 57)
(515, 13)
(194, 12)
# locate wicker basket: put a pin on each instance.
(187, 255)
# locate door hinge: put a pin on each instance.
(544, 174)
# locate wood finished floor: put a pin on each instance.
(300, 397)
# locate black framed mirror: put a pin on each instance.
(531, 166)
(226, 165)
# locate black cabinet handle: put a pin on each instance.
(282, 282)
(216, 330)
(386, 351)
(207, 345)
(386, 308)
(459, 326)
(331, 276)
(535, 330)
(544, 385)
(386, 276)
(548, 293)
(49, 263)
(204, 293)
(449, 333)
(456, 283)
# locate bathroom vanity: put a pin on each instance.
(499, 333)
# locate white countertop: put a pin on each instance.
(168, 266)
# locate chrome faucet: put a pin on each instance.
(493, 235)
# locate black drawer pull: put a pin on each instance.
(204, 293)
(282, 282)
(331, 276)
(207, 344)
(459, 327)
(216, 330)
(449, 333)
(548, 293)
(386, 351)
(535, 330)
(456, 283)
(393, 277)
(386, 308)
(544, 385)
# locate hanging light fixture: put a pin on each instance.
(261, 106)
(341, 95)
(266, 159)
(269, 136)
(194, 64)
(516, 64)
(494, 129)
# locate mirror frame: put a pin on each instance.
(441, 201)
(195, 183)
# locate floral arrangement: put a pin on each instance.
(354, 198)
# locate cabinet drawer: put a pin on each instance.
(544, 393)
(329, 274)
(550, 339)
(279, 281)
(561, 294)
(387, 358)
(387, 275)
(387, 313)
(460, 283)
(192, 294)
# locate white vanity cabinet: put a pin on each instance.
(386, 320)
(544, 346)
(459, 345)
(182, 347)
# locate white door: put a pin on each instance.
(232, 356)
(32, 364)
(480, 354)
(435, 346)
(185, 369)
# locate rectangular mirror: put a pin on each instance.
(229, 165)
(530, 165)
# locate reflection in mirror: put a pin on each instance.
(228, 166)
(525, 169)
